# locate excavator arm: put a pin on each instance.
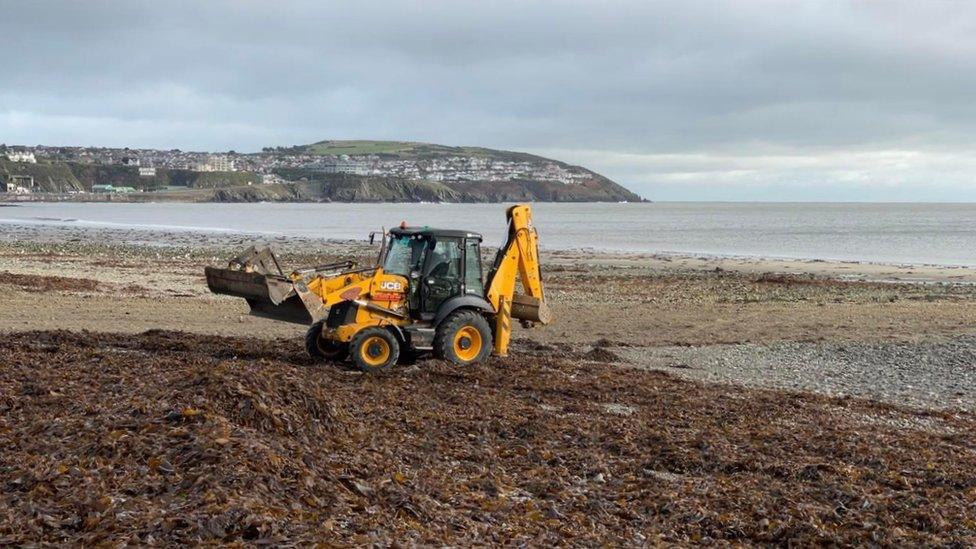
(517, 260)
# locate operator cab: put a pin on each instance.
(439, 265)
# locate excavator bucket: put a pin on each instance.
(530, 309)
(256, 276)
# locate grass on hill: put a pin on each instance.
(355, 147)
(406, 150)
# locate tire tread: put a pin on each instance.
(444, 337)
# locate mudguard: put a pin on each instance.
(461, 302)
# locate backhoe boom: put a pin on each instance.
(517, 260)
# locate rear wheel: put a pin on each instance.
(374, 349)
(321, 348)
(463, 338)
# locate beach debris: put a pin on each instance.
(46, 283)
(190, 439)
(601, 354)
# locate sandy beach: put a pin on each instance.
(648, 309)
(885, 352)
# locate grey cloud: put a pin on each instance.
(593, 80)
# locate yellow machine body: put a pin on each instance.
(344, 304)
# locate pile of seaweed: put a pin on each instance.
(43, 283)
(168, 437)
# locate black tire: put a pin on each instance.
(463, 338)
(374, 349)
(320, 348)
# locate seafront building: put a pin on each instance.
(112, 189)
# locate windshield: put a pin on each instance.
(405, 253)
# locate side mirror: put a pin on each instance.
(414, 275)
(372, 235)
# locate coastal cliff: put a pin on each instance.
(342, 171)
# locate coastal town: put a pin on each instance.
(269, 166)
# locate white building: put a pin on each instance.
(21, 156)
(18, 184)
(221, 164)
(217, 163)
(342, 165)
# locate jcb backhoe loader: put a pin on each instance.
(426, 292)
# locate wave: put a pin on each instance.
(135, 226)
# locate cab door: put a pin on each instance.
(442, 276)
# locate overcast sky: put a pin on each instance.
(676, 100)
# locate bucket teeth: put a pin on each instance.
(256, 259)
(256, 276)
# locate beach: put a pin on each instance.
(647, 353)
(644, 274)
(649, 309)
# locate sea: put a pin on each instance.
(898, 233)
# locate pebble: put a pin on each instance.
(931, 374)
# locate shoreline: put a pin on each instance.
(835, 328)
(205, 196)
(223, 241)
(581, 230)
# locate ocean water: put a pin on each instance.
(943, 234)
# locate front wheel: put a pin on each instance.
(321, 348)
(464, 338)
(374, 349)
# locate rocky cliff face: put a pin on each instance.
(467, 174)
(352, 188)
(46, 177)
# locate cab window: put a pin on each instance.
(442, 279)
(404, 255)
(445, 259)
(472, 268)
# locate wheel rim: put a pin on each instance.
(467, 343)
(374, 351)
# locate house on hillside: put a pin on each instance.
(21, 156)
(17, 184)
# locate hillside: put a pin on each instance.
(467, 174)
(344, 171)
(406, 150)
(46, 176)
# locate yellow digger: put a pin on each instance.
(427, 292)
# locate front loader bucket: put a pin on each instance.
(268, 295)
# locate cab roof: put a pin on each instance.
(428, 232)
